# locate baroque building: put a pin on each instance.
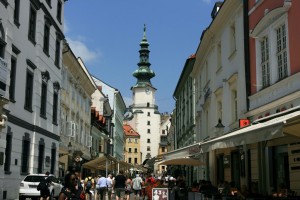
(31, 35)
(274, 96)
(75, 115)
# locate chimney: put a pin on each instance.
(216, 9)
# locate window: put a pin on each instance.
(2, 42)
(45, 78)
(17, 12)
(135, 140)
(59, 9)
(28, 91)
(148, 122)
(148, 148)
(282, 52)
(8, 150)
(129, 160)
(129, 150)
(25, 154)
(219, 56)
(57, 51)
(53, 158)
(12, 85)
(32, 24)
(232, 38)
(148, 130)
(265, 68)
(163, 149)
(234, 101)
(41, 154)
(135, 150)
(129, 140)
(46, 37)
(148, 105)
(148, 141)
(56, 88)
(135, 161)
(163, 132)
(219, 110)
(148, 114)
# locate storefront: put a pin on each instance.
(265, 154)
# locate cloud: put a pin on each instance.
(81, 50)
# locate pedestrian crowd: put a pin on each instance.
(146, 187)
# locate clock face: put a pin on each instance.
(148, 91)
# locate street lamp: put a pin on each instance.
(219, 125)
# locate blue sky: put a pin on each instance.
(106, 35)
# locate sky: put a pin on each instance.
(106, 35)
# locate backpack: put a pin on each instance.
(42, 186)
(89, 184)
(136, 184)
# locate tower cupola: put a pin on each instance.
(144, 73)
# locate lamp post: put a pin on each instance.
(219, 125)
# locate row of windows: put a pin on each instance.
(135, 150)
(29, 89)
(135, 160)
(32, 33)
(130, 140)
(26, 145)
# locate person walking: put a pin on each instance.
(119, 185)
(89, 185)
(128, 188)
(137, 186)
(109, 186)
(102, 182)
(43, 187)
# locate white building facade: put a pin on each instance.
(31, 43)
(75, 115)
(118, 107)
(219, 74)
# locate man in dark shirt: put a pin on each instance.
(45, 191)
(119, 185)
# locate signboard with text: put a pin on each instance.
(160, 194)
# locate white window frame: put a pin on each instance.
(269, 30)
(71, 128)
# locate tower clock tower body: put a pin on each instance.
(146, 117)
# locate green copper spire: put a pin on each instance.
(144, 73)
